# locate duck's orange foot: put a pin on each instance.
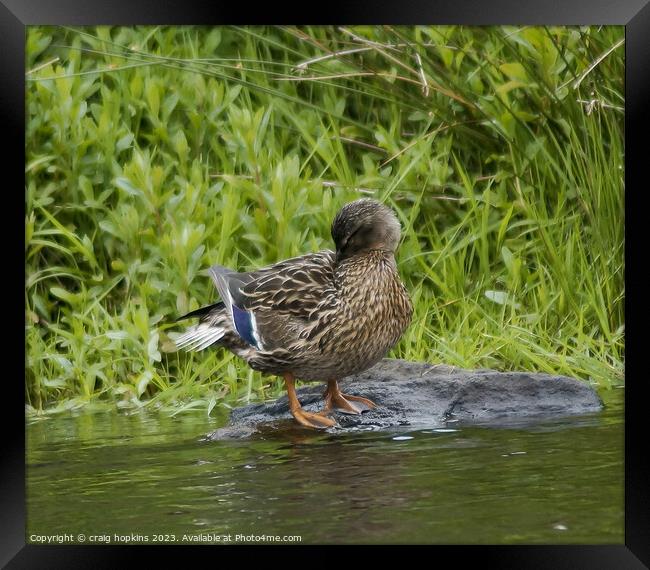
(307, 419)
(346, 401)
(334, 398)
(312, 419)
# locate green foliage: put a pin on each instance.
(154, 152)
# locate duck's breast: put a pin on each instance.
(372, 313)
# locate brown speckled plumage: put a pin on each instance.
(320, 316)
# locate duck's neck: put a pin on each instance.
(365, 262)
(368, 256)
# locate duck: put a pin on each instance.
(319, 317)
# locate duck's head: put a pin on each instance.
(365, 225)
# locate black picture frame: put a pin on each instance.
(15, 15)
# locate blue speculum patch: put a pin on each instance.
(244, 325)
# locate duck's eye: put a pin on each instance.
(352, 238)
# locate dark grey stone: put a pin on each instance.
(426, 395)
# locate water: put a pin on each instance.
(151, 478)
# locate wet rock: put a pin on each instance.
(426, 395)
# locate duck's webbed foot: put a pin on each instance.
(307, 419)
(334, 398)
(312, 419)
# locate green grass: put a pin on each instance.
(155, 152)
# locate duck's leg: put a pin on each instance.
(334, 398)
(308, 419)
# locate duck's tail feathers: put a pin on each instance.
(209, 330)
(202, 311)
(200, 337)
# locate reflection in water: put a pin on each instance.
(552, 482)
(340, 487)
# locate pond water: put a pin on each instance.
(146, 477)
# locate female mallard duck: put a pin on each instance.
(317, 317)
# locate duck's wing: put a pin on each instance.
(270, 307)
(296, 286)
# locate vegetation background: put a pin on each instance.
(155, 152)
